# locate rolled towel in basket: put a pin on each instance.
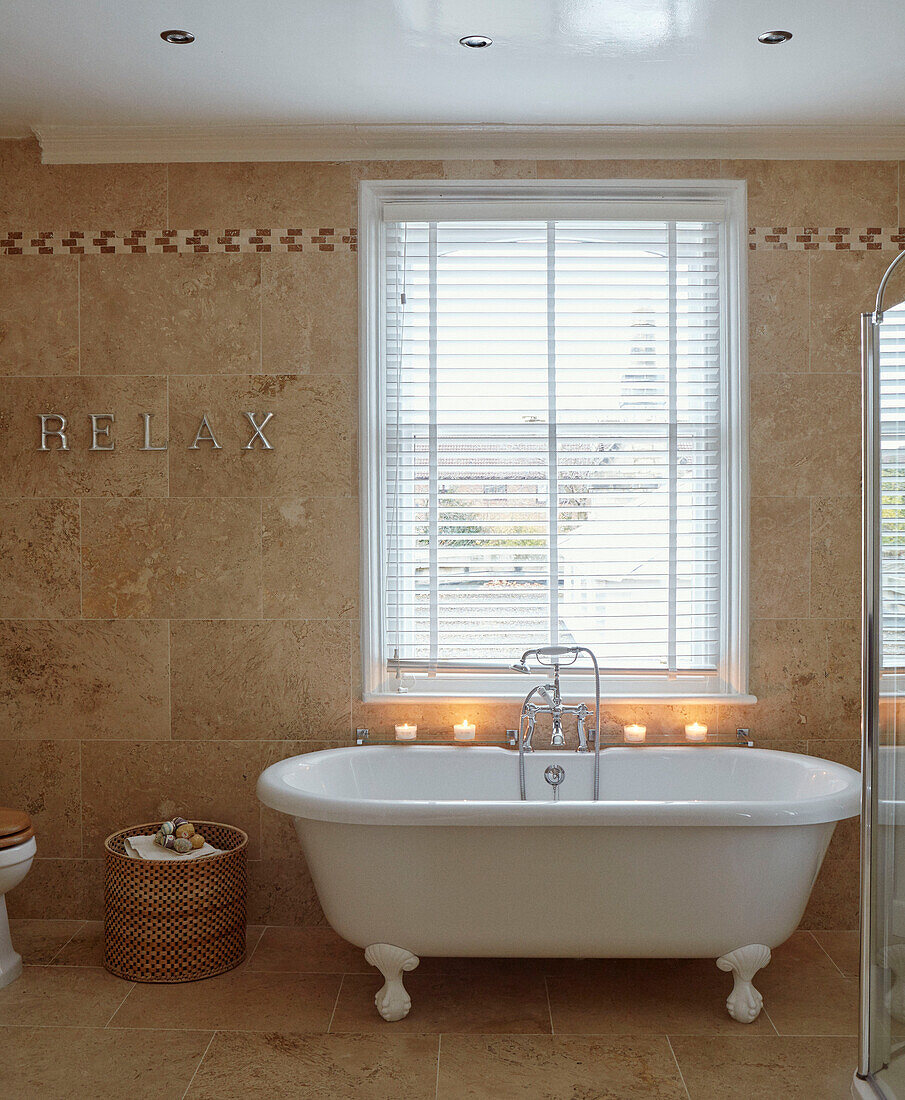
(144, 847)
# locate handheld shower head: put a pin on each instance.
(519, 666)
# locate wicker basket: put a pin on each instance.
(169, 921)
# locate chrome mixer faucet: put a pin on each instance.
(554, 657)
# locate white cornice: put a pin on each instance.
(155, 144)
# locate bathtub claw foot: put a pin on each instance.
(393, 1003)
(744, 1002)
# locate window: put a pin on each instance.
(553, 430)
(891, 344)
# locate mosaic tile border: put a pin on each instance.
(99, 242)
(102, 242)
(811, 238)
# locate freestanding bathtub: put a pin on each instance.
(689, 852)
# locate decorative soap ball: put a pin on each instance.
(167, 828)
(186, 831)
(197, 841)
(165, 841)
(182, 844)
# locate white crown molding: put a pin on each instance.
(156, 144)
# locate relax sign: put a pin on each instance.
(54, 433)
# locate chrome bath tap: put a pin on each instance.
(553, 657)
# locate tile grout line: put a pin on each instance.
(56, 953)
(770, 1018)
(828, 955)
(169, 623)
(81, 614)
(439, 1048)
(200, 1062)
(78, 312)
(335, 1003)
(257, 941)
(120, 1005)
(81, 808)
(678, 1067)
(549, 1006)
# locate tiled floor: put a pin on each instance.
(297, 1019)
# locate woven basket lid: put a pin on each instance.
(15, 827)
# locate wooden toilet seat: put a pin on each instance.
(15, 827)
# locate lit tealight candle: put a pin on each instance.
(635, 732)
(405, 732)
(696, 732)
(464, 731)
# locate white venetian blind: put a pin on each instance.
(552, 442)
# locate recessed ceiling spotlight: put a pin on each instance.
(177, 38)
(774, 38)
(476, 41)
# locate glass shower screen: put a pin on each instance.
(881, 1070)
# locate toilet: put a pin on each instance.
(17, 850)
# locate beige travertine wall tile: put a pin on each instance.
(170, 314)
(806, 676)
(302, 195)
(279, 840)
(805, 435)
(843, 752)
(181, 559)
(395, 170)
(43, 779)
(835, 557)
(131, 782)
(65, 886)
(843, 678)
(492, 719)
(843, 286)
(280, 891)
(835, 899)
(310, 313)
(78, 679)
(779, 570)
(310, 435)
(489, 169)
(788, 660)
(39, 316)
(310, 552)
(125, 471)
(260, 680)
(39, 559)
(818, 192)
(77, 196)
(606, 169)
(663, 719)
(778, 294)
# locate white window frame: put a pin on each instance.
(611, 198)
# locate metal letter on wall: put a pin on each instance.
(47, 432)
(201, 438)
(99, 431)
(147, 445)
(259, 432)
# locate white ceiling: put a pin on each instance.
(101, 63)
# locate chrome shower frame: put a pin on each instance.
(870, 666)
